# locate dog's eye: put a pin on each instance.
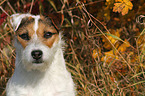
(48, 34)
(25, 36)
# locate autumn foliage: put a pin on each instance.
(105, 43)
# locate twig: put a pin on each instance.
(91, 16)
(80, 6)
(31, 6)
(11, 7)
(4, 10)
(2, 2)
(94, 76)
(134, 84)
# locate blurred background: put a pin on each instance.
(104, 43)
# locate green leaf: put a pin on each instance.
(52, 4)
(142, 32)
(115, 37)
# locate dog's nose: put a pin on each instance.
(36, 54)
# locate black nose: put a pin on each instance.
(36, 54)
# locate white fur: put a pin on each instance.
(47, 79)
(36, 22)
(15, 20)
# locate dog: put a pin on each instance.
(40, 68)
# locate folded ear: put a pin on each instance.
(16, 19)
(57, 19)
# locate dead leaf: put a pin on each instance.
(2, 18)
(122, 6)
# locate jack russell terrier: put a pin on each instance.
(40, 68)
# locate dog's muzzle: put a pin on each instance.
(37, 56)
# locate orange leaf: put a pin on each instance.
(122, 6)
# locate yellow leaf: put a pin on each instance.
(109, 56)
(113, 36)
(122, 6)
(96, 53)
(109, 53)
(124, 46)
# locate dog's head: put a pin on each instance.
(37, 40)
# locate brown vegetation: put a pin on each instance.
(105, 51)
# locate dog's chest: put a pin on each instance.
(44, 87)
(49, 89)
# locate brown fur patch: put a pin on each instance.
(44, 25)
(25, 21)
(47, 28)
(25, 29)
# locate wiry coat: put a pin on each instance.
(49, 76)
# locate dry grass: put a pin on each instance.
(101, 61)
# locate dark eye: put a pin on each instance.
(48, 34)
(25, 36)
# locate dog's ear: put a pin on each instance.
(15, 20)
(57, 19)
